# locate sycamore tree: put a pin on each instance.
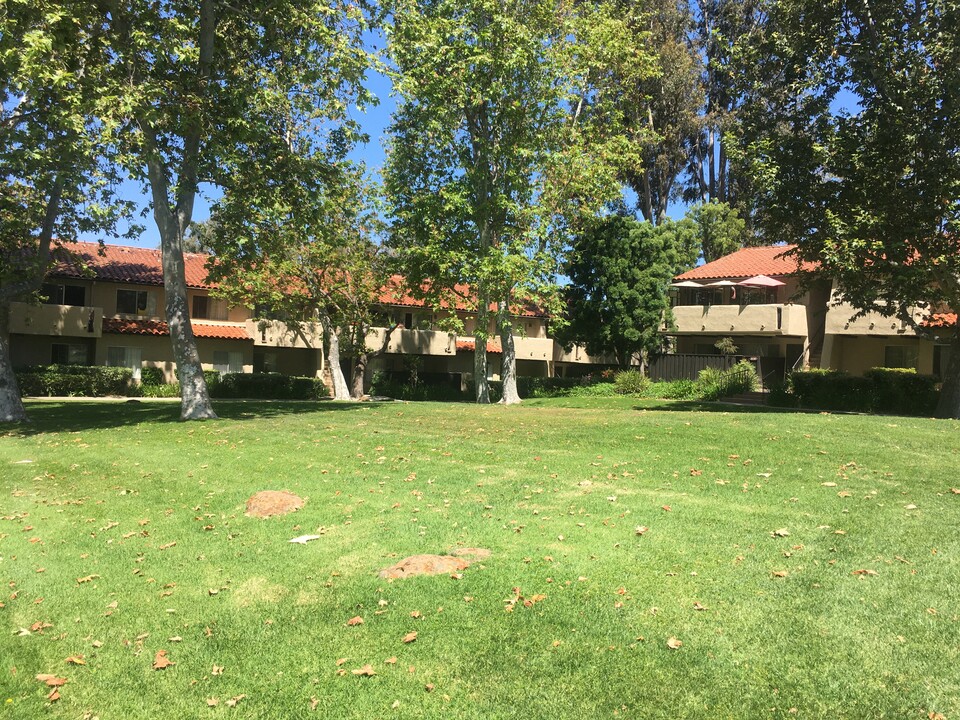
(196, 87)
(496, 149)
(620, 271)
(311, 256)
(859, 163)
(58, 180)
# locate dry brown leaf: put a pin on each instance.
(955, 491)
(161, 661)
(410, 637)
(415, 614)
(355, 621)
(51, 680)
(640, 529)
(698, 606)
(674, 644)
(76, 660)
(695, 473)
(232, 702)
(88, 578)
(212, 702)
(782, 532)
(428, 687)
(167, 546)
(366, 670)
(53, 696)
(864, 572)
(391, 661)
(665, 507)
(780, 573)
(217, 670)
(341, 661)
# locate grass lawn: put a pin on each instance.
(808, 563)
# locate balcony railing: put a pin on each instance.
(839, 322)
(62, 320)
(773, 319)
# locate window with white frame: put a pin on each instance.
(208, 308)
(129, 357)
(225, 361)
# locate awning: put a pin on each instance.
(761, 281)
(686, 283)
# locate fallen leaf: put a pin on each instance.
(911, 506)
(88, 578)
(212, 702)
(640, 529)
(175, 638)
(161, 661)
(53, 696)
(695, 473)
(864, 572)
(698, 606)
(51, 680)
(782, 532)
(665, 507)
(355, 621)
(410, 637)
(232, 702)
(341, 661)
(415, 614)
(217, 670)
(780, 573)
(167, 546)
(391, 661)
(366, 670)
(429, 687)
(304, 539)
(75, 660)
(674, 644)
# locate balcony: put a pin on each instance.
(274, 333)
(839, 322)
(772, 320)
(578, 354)
(60, 320)
(414, 342)
(529, 348)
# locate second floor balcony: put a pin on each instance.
(760, 319)
(61, 320)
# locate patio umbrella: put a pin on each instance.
(687, 283)
(761, 281)
(721, 283)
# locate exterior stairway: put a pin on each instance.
(747, 398)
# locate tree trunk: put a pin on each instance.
(340, 389)
(11, 407)
(480, 353)
(358, 376)
(949, 403)
(194, 397)
(508, 367)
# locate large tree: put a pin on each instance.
(620, 270)
(198, 85)
(57, 180)
(859, 162)
(495, 149)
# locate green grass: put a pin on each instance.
(112, 485)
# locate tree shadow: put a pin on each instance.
(48, 416)
(718, 407)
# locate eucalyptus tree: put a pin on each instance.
(57, 178)
(497, 149)
(857, 157)
(197, 86)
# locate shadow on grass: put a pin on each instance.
(78, 415)
(701, 406)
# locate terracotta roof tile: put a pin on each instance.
(122, 326)
(395, 294)
(119, 263)
(747, 262)
(469, 346)
(941, 320)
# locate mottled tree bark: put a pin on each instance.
(340, 389)
(508, 367)
(11, 407)
(949, 403)
(480, 333)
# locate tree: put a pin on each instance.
(620, 270)
(57, 177)
(496, 150)
(200, 86)
(719, 228)
(859, 162)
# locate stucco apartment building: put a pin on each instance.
(733, 297)
(107, 308)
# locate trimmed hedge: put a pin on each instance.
(76, 380)
(884, 390)
(267, 386)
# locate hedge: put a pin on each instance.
(267, 386)
(76, 380)
(885, 390)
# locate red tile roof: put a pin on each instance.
(941, 320)
(122, 326)
(747, 262)
(119, 263)
(493, 346)
(396, 294)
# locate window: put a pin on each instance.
(265, 362)
(64, 354)
(227, 362)
(208, 308)
(129, 357)
(900, 356)
(57, 294)
(135, 302)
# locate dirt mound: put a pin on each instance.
(424, 565)
(267, 503)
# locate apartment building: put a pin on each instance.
(754, 297)
(105, 306)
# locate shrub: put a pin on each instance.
(714, 383)
(631, 382)
(682, 389)
(597, 389)
(165, 390)
(890, 390)
(76, 380)
(267, 386)
(152, 376)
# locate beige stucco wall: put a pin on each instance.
(735, 319)
(856, 355)
(65, 320)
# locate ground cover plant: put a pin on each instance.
(649, 559)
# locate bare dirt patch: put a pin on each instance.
(424, 565)
(268, 503)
